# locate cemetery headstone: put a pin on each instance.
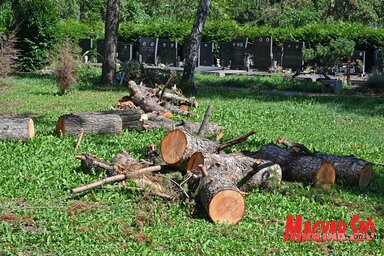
(206, 54)
(100, 50)
(277, 58)
(358, 58)
(167, 52)
(124, 51)
(86, 45)
(232, 54)
(293, 55)
(262, 59)
(148, 47)
(378, 66)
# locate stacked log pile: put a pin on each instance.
(215, 179)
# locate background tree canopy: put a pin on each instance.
(44, 22)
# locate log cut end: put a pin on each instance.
(31, 129)
(195, 163)
(173, 147)
(60, 126)
(326, 175)
(365, 175)
(227, 206)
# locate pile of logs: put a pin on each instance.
(143, 109)
(219, 180)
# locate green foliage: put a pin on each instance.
(375, 82)
(36, 21)
(75, 30)
(36, 177)
(298, 17)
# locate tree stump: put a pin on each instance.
(350, 169)
(246, 172)
(220, 196)
(298, 167)
(16, 128)
(177, 147)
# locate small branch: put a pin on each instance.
(294, 146)
(203, 170)
(220, 136)
(235, 141)
(79, 139)
(177, 184)
(98, 183)
(92, 161)
(204, 124)
(173, 74)
(143, 171)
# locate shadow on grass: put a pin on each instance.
(354, 104)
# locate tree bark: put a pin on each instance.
(188, 80)
(298, 167)
(91, 123)
(220, 196)
(246, 172)
(16, 128)
(110, 42)
(352, 170)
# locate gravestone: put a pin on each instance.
(148, 47)
(378, 60)
(124, 51)
(262, 54)
(167, 52)
(86, 45)
(100, 50)
(293, 55)
(277, 58)
(359, 57)
(232, 53)
(206, 54)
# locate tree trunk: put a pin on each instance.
(350, 169)
(246, 172)
(177, 147)
(188, 80)
(16, 128)
(110, 42)
(220, 196)
(298, 167)
(90, 122)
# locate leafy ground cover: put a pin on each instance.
(38, 216)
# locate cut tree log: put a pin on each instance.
(177, 146)
(348, 168)
(298, 167)
(90, 122)
(352, 170)
(16, 128)
(220, 196)
(246, 172)
(141, 98)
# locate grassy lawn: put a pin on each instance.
(39, 216)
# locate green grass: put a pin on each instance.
(36, 177)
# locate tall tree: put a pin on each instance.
(110, 42)
(188, 79)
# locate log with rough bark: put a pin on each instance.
(155, 121)
(246, 172)
(350, 169)
(298, 167)
(16, 128)
(90, 122)
(141, 97)
(220, 196)
(177, 146)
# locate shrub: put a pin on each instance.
(375, 82)
(8, 54)
(65, 66)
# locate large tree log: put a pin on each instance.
(177, 146)
(16, 128)
(90, 122)
(350, 169)
(246, 172)
(220, 197)
(298, 167)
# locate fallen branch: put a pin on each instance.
(79, 139)
(98, 183)
(235, 141)
(295, 146)
(173, 74)
(204, 124)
